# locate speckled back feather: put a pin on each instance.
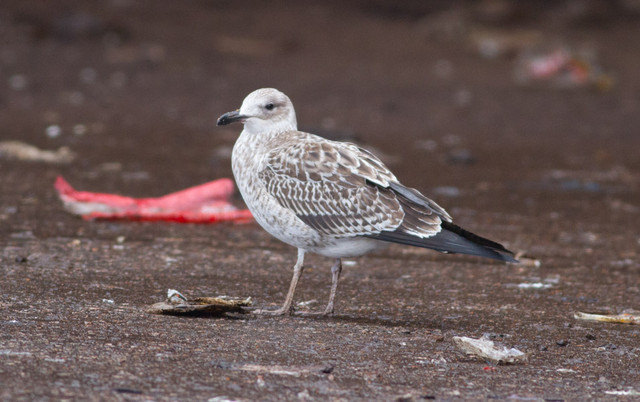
(342, 190)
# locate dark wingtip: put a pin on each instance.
(452, 239)
(492, 249)
(507, 257)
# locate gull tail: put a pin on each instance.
(452, 239)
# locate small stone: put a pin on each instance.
(562, 342)
(53, 131)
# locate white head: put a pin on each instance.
(263, 110)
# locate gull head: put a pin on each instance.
(262, 111)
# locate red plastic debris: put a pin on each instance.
(206, 203)
(563, 67)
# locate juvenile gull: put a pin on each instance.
(332, 198)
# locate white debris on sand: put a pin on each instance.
(627, 317)
(487, 350)
(629, 392)
(25, 152)
(534, 285)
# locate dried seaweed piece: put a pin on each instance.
(178, 304)
(629, 317)
(26, 152)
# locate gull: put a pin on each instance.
(332, 198)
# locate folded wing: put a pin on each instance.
(342, 190)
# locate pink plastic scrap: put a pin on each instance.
(206, 203)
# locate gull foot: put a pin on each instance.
(314, 314)
(280, 311)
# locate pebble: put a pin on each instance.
(53, 131)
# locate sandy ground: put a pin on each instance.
(134, 88)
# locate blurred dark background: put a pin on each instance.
(134, 87)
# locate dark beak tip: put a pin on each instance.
(228, 118)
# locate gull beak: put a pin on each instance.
(229, 118)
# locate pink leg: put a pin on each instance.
(297, 273)
(335, 277)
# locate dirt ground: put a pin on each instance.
(134, 88)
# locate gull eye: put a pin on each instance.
(269, 106)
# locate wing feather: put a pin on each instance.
(342, 190)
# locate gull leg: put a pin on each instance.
(335, 277)
(297, 273)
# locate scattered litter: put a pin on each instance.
(53, 131)
(175, 297)
(425, 361)
(627, 317)
(224, 399)
(108, 301)
(178, 304)
(294, 371)
(486, 349)
(564, 370)
(527, 261)
(628, 392)
(535, 285)
(6, 352)
(562, 67)
(307, 303)
(206, 203)
(54, 360)
(25, 152)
